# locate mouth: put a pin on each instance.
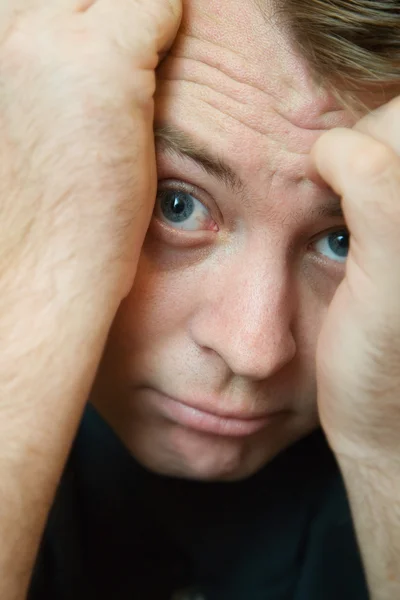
(196, 418)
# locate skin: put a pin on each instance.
(77, 178)
(68, 258)
(229, 323)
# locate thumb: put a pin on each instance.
(365, 172)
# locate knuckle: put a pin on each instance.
(23, 42)
(163, 13)
(15, 41)
(383, 124)
(175, 8)
(388, 110)
(373, 161)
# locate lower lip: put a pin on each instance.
(199, 420)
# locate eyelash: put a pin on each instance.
(185, 239)
(199, 194)
(193, 238)
(326, 232)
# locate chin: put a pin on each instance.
(189, 454)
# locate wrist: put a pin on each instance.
(374, 493)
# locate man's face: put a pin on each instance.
(210, 365)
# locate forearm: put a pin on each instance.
(50, 349)
(77, 187)
(374, 494)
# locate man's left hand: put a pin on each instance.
(358, 356)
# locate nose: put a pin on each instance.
(245, 317)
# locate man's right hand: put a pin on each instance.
(77, 184)
(77, 158)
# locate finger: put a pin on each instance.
(11, 11)
(383, 124)
(366, 174)
(359, 168)
(9, 8)
(140, 26)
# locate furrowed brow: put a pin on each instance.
(175, 141)
(331, 207)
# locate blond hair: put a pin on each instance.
(351, 45)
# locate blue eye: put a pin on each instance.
(334, 246)
(181, 210)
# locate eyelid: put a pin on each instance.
(180, 237)
(197, 193)
(338, 265)
(326, 232)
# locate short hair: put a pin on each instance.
(351, 45)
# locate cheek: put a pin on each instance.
(310, 315)
(159, 305)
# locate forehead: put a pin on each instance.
(234, 81)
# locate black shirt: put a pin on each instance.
(119, 532)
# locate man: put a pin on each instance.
(223, 487)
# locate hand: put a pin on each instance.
(76, 141)
(77, 184)
(358, 357)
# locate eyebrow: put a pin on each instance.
(176, 141)
(331, 207)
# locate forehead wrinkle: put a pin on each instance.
(256, 51)
(176, 141)
(211, 56)
(230, 92)
(270, 125)
(201, 74)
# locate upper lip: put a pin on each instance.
(224, 414)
